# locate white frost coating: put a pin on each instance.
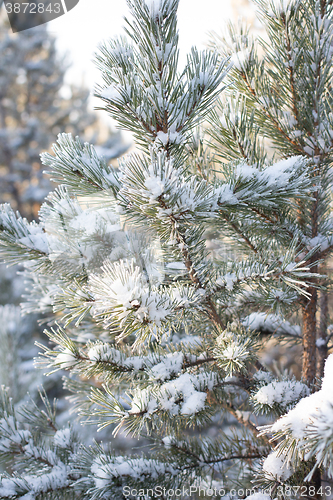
(112, 93)
(125, 292)
(66, 359)
(181, 194)
(157, 182)
(154, 6)
(258, 496)
(321, 342)
(204, 77)
(105, 469)
(155, 307)
(276, 466)
(283, 392)
(154, 184)
(91, 221)
(230, 279)
(56, 247)
(279, 173)
(187, 298)
(37, 239)
(7, 488)
(274, 176)
(188, 340)
(226, 195)
(272, 323)
(304, 414)
(100, 222)
(122, 289)
(194, 403)
(62, 438)
(163, 137)
(234, 352)
(187, 388)
(240, 58)
(231, 349)
(263, 377)
(120, 50)
(104, 352)
(176, 265)
(28, 496)
(168, 441)
(10, 434)
(246, 171)
(36, 452)
(164, 52)
(311, 412)
(55, 479)
(46, 300)
(324, 241)
(135, 362)
(171, 364)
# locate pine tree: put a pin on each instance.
(287, 103)
(166, 276)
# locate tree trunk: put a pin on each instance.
(309, 337)
(322, 334)
(317, 484)
(309, 308)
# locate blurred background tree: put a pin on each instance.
(36, 104)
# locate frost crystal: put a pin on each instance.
(186, 389)
(104, 469)
(276, 466)
(240, 58)
(66, 359)
(171, 364)
(7, 488)
(62, 438)
(122, 289)
(271, 323)
(313, 415)
(284, 392)
(37, 241)
(112, 93)
(154, 6)
(258, 496)
(154, 185)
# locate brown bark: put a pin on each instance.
(322, 352)
(317, 484)
(309, 308)
(309, 337)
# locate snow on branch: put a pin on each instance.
(79, 167)
(19, 239)
(305, 432)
